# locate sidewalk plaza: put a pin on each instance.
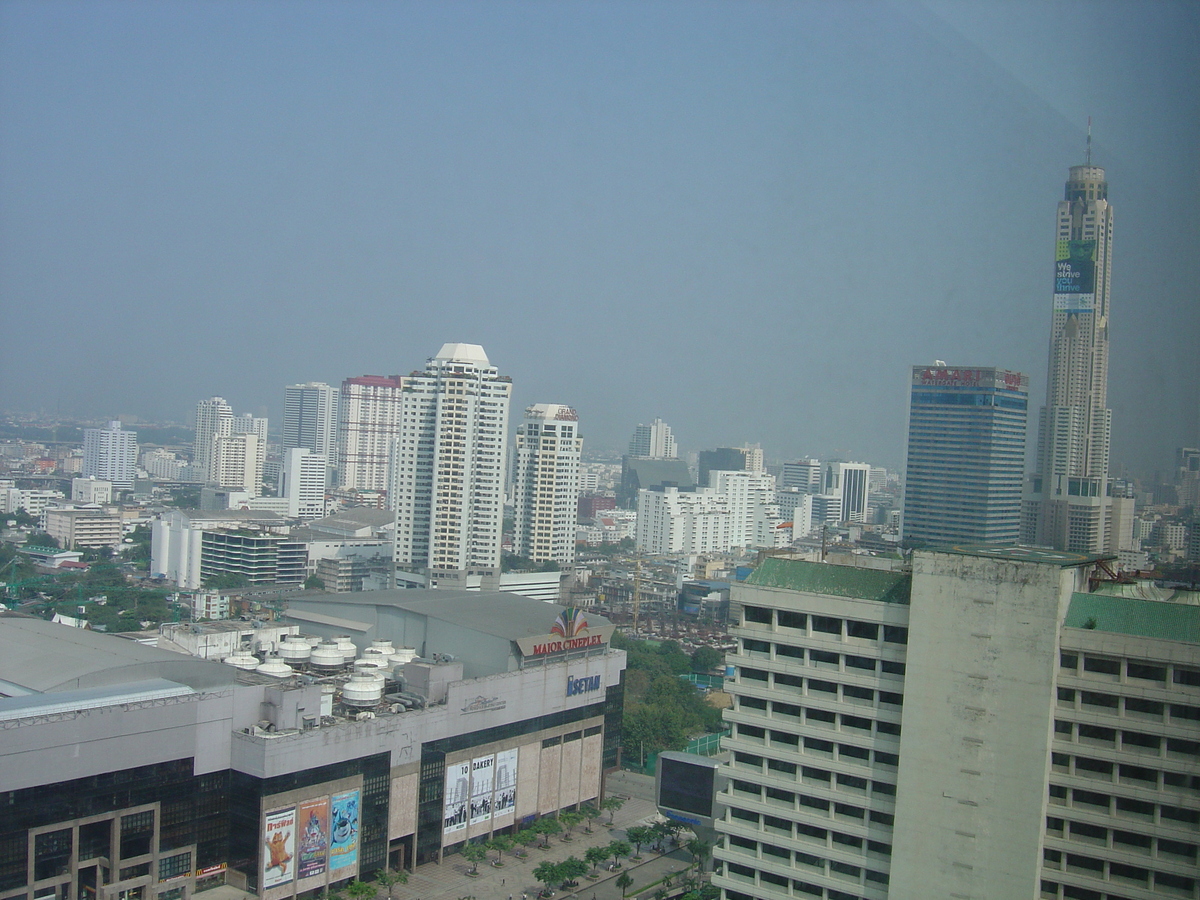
(449, 879)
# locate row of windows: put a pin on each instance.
(1130, 741)
(1122, 773)
(823, 659)
(813, 746)
(852, 784)
(1125, 807)
(824, 625)
(824, 867)
(814, 834)
(1177, 885)
(1181, 714)
(1134, 669)
(822, 718)
(1120, 840)
(803, 888)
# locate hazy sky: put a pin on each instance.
(749, 219)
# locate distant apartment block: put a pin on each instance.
(546, 483)
(110, 454)
(369, 413)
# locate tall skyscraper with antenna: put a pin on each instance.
(1068, 503)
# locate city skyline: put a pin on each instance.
(704, 206)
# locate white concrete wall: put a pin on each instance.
(977, 726)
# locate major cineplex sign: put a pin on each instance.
(990, 378)
(568, 633)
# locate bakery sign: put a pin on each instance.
(570, 632)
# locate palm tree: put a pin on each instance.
(624, 880)
(699, 851)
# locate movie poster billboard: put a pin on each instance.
(343, 830)
(483, 774)
(505, 798)
(456, 796)
(314, 837)
(1075, 276)
(279, 847)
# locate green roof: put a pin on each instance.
(1141, 618)
(836, 581)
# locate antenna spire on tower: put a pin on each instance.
(1088, 159)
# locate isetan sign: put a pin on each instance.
(569, 632)
(584, 685)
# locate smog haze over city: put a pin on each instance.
(749, 219)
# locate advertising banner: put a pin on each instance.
(314, 837)
(506, 783)
(279, 840)
(1075, 276)
(456, 796)
(483, 774)
(343, 835)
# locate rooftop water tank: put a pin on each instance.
(326, 657)
(403, 655)
(294, 650)
(349, 651)
(362, 690)
(243, 659)
(327, 692)
(275, 667)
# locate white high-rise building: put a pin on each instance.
(369, 411)
(257, 426)
(110, 454)
(236, 463)
(849, 482)
(739, 510)
(653, 441)
(1068, 503)
(310, 417)
(302, 481)
(546, 483)
(446, 478)
(214, 419)
(995, 722)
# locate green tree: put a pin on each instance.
(360, 890)
(595, 856)
(699, 851)
(624, 880)
(569, 820)
(617, 849)
(546, 827)
(500, 844)
(228, 581)
(705, 659)
(548, 874)
(474, 854)
(526, 837)
(389, 879)
(589, 812)
(638, 835)
(40, 539)
(570, 870)
(313, 583)
(612, 805)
